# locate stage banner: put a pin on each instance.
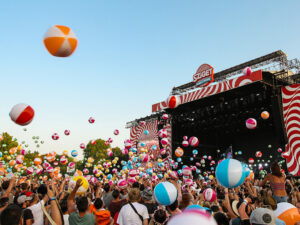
(291, 114)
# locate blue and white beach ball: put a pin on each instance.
(230, 173)
(146, 132)
(165, 193)
(74, 153)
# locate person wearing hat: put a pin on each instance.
(24, 201)
(264, 216)
(147, 199)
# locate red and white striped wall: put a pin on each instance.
(291, 115)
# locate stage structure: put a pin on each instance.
(214, 108)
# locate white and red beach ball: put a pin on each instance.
(22, 114)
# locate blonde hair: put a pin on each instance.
(134, 195)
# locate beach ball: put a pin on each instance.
(84, 185)
(85, 171)
(67, 132)
(179, 159)
(162, 133)
(287, 212)
(122, 184)
(154, 147)
(209, 195)
(19, 159)
(165, 116)
(82, 146)
(109, 153)
(22, 114)
(230, 173)
(74, 153)
(124, 151)
(63, 160)
(265, 115)
(37, 161)
(193, 141)
(29, 170)
(145, 158)
(179, 152)
(116, 132)
(247, 71)
(185, 143)
(142, 123)
(60, 41)
(154, 179)
(146, 132)
(165, 193)
(71, 165)
(173, 101)
(91, 120)
(55, 136)
(186, 171)
(195, 152)
(12, 150)
(192, 217)
(279, 150)
(251, 160)
(39, 170)
(128, 144)
(285, 155)
(50, 169)
(163, 151)
(251, 123)
(164, 141)
(131, 180)
(258, 154)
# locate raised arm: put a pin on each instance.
(55, 213)
(10, 187)
(71, 198)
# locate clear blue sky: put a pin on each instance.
(130, 54)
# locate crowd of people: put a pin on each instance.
(38, 203)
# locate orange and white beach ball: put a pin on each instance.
(287, 212)
(60, 41)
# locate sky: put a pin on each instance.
(130, 55)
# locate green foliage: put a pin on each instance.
(7, 143)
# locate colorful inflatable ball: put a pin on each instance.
(258, 154)
(22, 114)
(230, 173)
(165, 116)
(74, 153)
(122, 184)
(192, 217)
(55, 136)
(165, 193)
(37, 161)
(247, 71)
(162, 133)
(265, 115)
(251, 123)
(185, 143)
(250, 160)
(186, 171)
(173, 101)
(60, 41)
(91, 120)
(84, 185)
(116, 132)
(164, 141)
(193, 141)
(67, 132)
(179, 152)
(287, 213)
(82, 146)
(209, 195)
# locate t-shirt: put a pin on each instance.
(27, 215)
(38, 214)
(115, 207)
(128, 216)
(107, 199)
(66, 219)
(151, 207)
(87, 219)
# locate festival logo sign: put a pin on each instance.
(204, 75)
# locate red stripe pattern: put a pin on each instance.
(137, 132)
(213, 89)
(291, 114)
